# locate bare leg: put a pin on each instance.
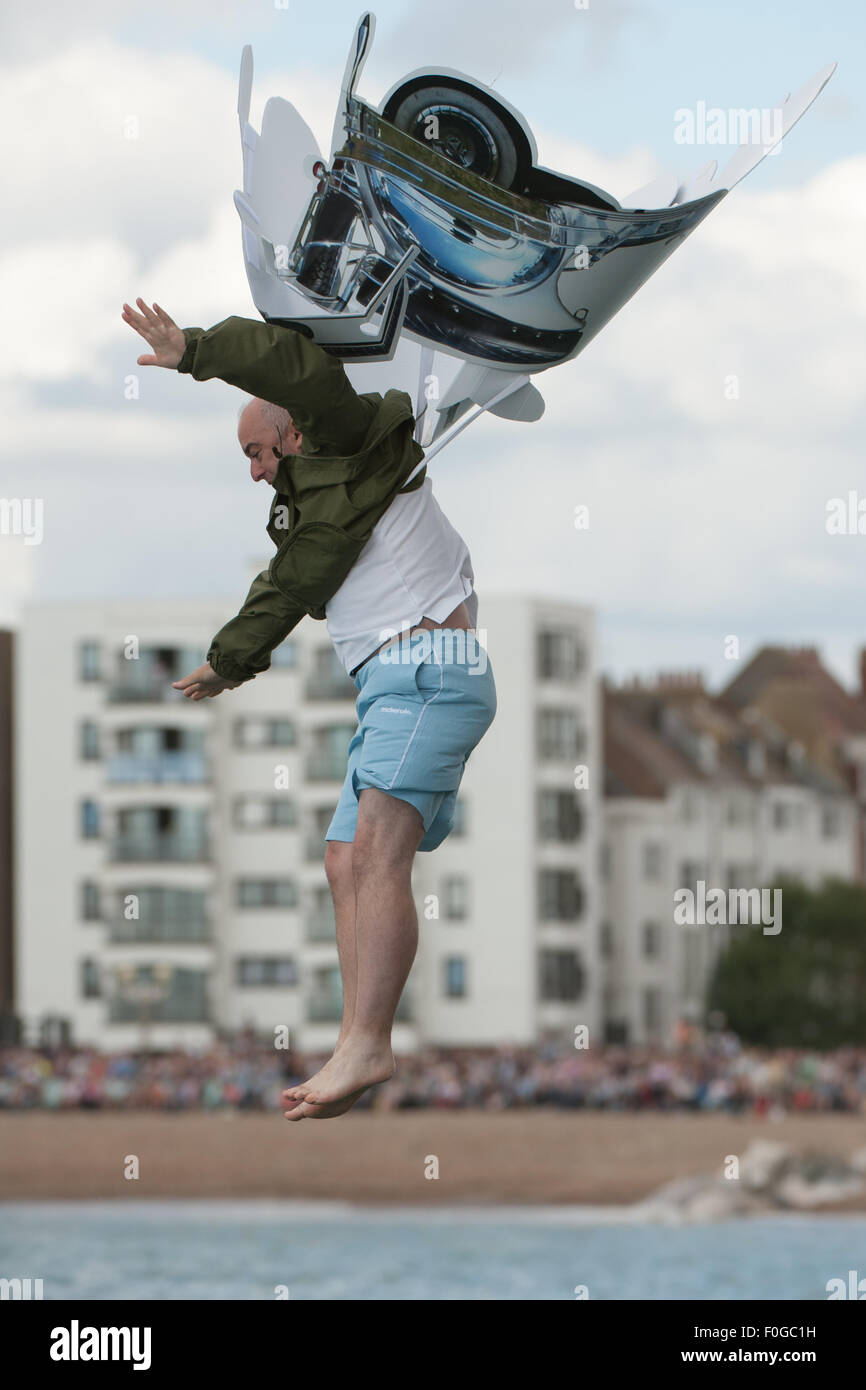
(386, 932)
(338, 867)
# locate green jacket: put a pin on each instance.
(357, 452)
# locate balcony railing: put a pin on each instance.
(181, 766)
(145, 688)
(122, 1010)
(177, 929)
(161, 847)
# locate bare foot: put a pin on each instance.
(304, 1110)
(296, 1094)
(356, 1066)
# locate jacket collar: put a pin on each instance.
(300, 472)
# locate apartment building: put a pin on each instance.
(698, 789)
(170, 852)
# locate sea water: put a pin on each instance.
(327, 1250)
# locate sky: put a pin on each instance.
(707, 502)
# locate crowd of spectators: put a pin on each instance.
(703, 1074)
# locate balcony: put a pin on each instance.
(146, 688)
(179, 767)
(132, 1010)
(163, 847)
(181, 930)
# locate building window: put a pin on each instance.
(272, 972)
(831, 823)
(559, 816)
(652, 1010)
(560, 895)
(285, 656)
(159, 994)
(561, 976)
(91, 906)
(321, 922)
(89, 819)
(559, 735)
(263, 812)
(455, 898)
(265, 733)
(652, 939)
(325, 999)
(153, 912)
(267, 892)
(89, 661)
(652, 861)
(91, 985)
(691, 871)
(89, 742)
(560, 654)
(455, 981)
(328, 749)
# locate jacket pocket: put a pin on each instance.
(313, 562)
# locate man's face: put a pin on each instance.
(264, 445)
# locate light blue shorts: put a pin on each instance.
(424, 703)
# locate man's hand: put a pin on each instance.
(204, 683)
(160, 331)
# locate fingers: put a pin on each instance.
(148, 313)
(196, 692)
(164, 318)
(136, 321)
(150, 325)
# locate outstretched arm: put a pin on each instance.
(242, 647)
(277, 364)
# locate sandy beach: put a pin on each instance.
(526, 1156)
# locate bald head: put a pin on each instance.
(266, 433)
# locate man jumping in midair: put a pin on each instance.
(361, 542)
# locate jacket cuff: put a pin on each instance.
(230, 670)
(186, 363)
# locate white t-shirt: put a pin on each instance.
(414, 566)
